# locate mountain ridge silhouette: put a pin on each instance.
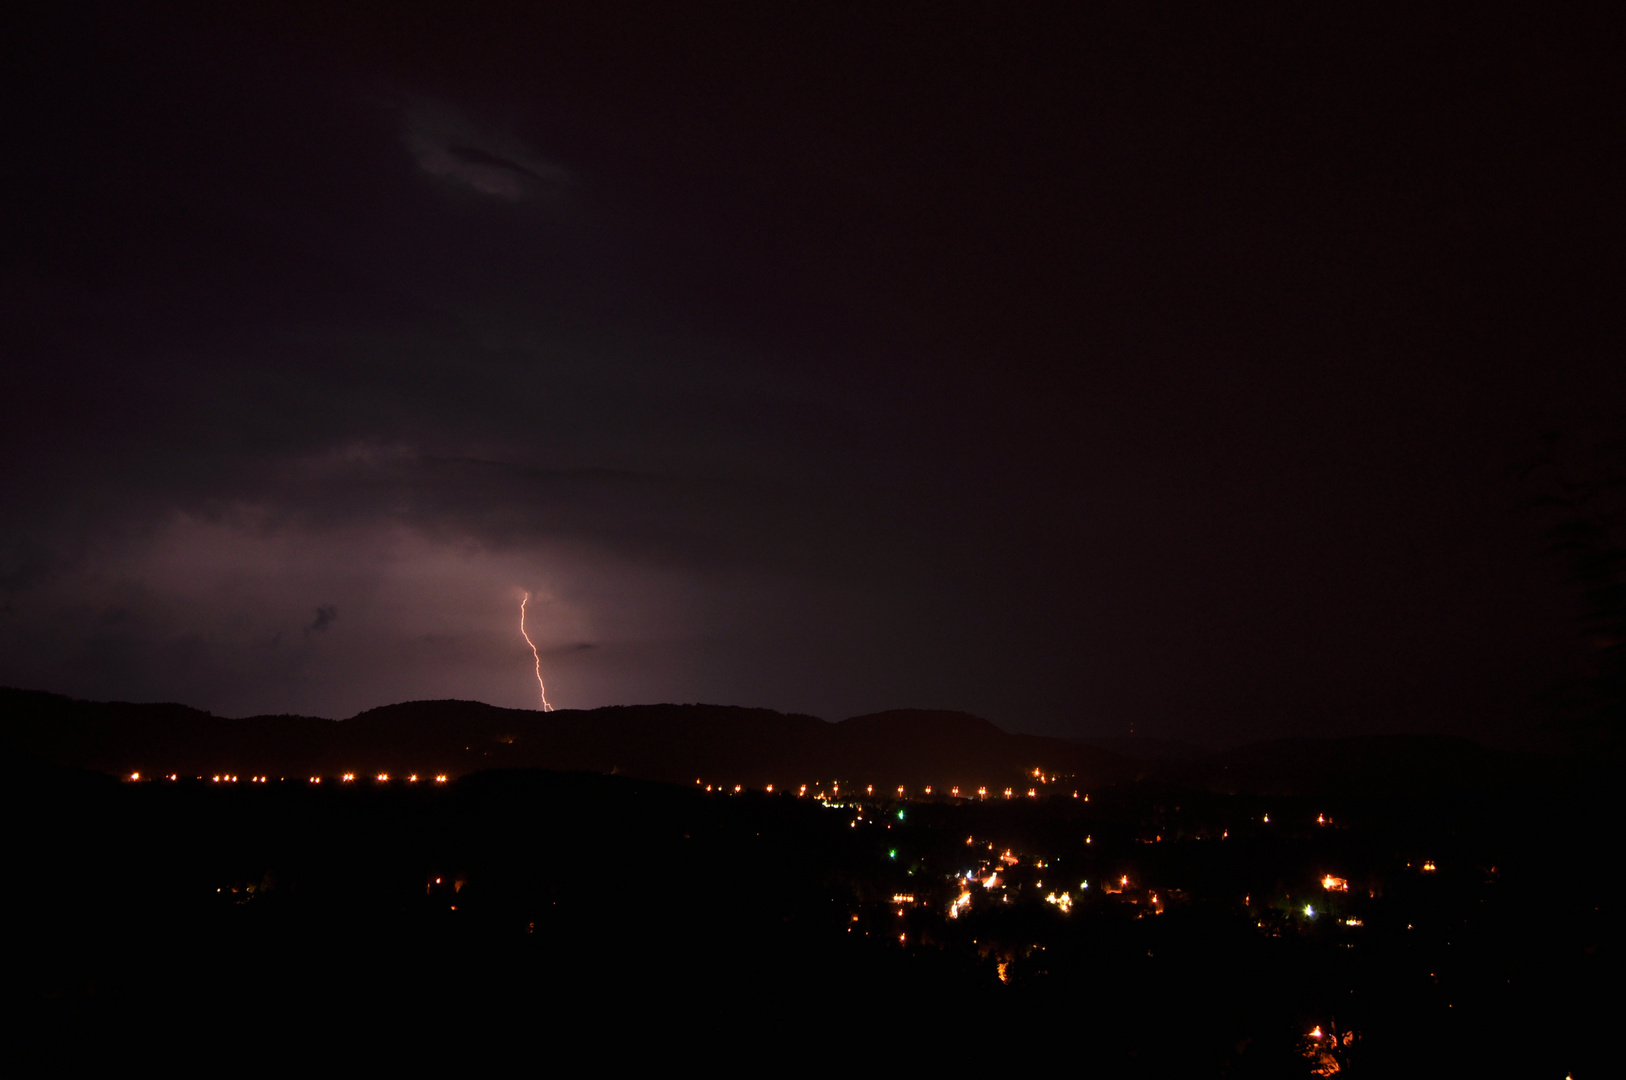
(721, 745)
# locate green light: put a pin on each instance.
(893, 854)
(900, 815)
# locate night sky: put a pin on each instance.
(1076, 366)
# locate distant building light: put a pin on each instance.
(1335, 884)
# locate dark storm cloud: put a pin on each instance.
(800, 363)
(446, 143)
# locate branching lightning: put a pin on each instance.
(540, 689)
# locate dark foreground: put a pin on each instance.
(637, 919)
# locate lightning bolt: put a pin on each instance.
(541, 690)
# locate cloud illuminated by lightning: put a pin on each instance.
(541, 690)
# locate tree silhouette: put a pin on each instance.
(1580, 487)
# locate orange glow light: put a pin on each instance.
(135, 776)
(1335, 884)
(440, 778)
